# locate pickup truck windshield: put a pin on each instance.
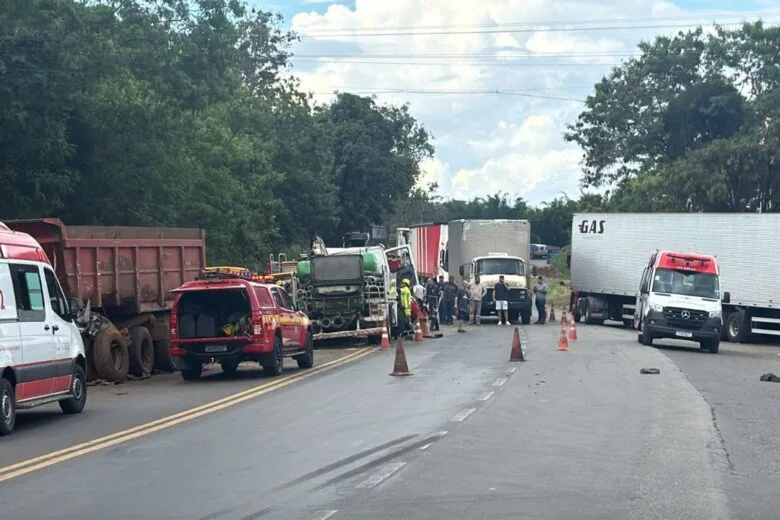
(703, 285)
(508, 266)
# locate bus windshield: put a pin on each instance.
(703, 285)
(508, 266)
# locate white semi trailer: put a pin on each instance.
(610, 250)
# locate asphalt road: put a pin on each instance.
(566, 435)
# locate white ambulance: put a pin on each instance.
(42, 358)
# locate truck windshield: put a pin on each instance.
(508, 266)
(703, 285)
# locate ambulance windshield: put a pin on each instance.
(686, 283)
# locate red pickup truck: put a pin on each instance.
(227, 316)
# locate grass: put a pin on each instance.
(558, 294)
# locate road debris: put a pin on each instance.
(770, 378)
(649, 371)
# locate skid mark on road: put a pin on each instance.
(346, 461)
(380, 476)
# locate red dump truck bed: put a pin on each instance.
(127, 270)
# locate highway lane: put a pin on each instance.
(114, 408)
(578, 434)
(276, 450)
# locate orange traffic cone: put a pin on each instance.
(563, 318)
(426, 329)
(563, 343)
(517, 348)
(385, 345)
(400, 367)
(572, 330)
(418, 335)
(552, 313)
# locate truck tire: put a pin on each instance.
(737, 330)
(590, 320)
(513, 316)
(711, 346)
(526, 318)
(7, 407)
(78, 389)
(112, 360)
(141, 352)
(163, 360)
(645, 338)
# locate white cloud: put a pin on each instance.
(485, 143)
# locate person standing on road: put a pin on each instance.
(419, 292)
(501, 300)
(463, 301)
(406, 306)
(541, 300)
(476, 293)
(449, 294)
(431, 296)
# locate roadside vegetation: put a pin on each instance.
(180, 113)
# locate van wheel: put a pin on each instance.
(112, 359)
(276, 364)
(7, 407)
(306, 360)
(78, 391)
(141, 352)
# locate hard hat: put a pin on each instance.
(405, 281)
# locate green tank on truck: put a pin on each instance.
(123, 277)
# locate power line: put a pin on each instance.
(497, 92)
(507, 30)
(450, 63)
(556, 22)
(494, 55)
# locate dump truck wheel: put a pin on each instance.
(92, 373)
(162, 356)
(141, 352)
(112, 360)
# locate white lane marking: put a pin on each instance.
(423, 448)
(511, 370)
(463, 414)
(384, 473)
(487, 396)
(324, 515)
(499, 382)
(442, 433)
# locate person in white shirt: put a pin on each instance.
(419, 291)
(476, 293)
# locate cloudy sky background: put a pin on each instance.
(499, 83)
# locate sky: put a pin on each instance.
(499, 83)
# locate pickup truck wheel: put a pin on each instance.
(7, 407)
(162, 356)
(526, 317)
(276, 366)
(78, 391)
(192, 373)
(141, 352)
(229, 367)
(306, 360)
(112, 360)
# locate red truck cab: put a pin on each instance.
(226, 315)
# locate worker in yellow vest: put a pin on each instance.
(406, 305)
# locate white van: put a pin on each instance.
(42, 358)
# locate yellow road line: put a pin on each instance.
(55, 457)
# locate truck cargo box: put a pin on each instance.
(609, 250)
(471, 238)
(127, 270)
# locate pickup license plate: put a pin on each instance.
(215, 348)
(682, 334)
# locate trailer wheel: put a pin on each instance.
(162, 356)
(141, 352)
(112, 360)
(737, 329)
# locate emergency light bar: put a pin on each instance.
(227, 272)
